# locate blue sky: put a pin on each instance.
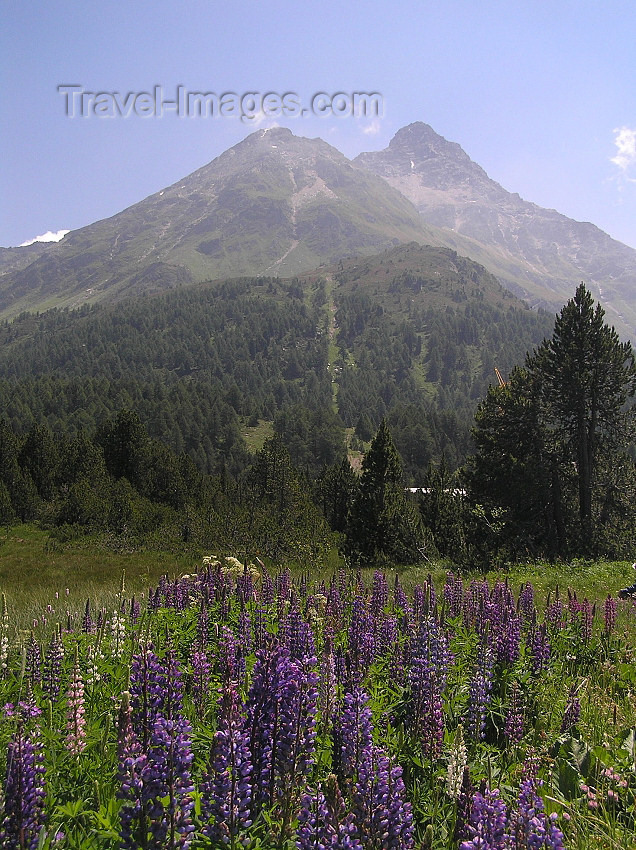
(542, 95)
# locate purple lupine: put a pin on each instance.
(354, 735)
(528, 825)
(513, 728)
(479, 695)
(297, 635)
(400, 599)
(609, 610)
(430, 658)
(572, 711)
(526, 604)
(135, 611)
(464, 807)
(281, 711)
(167, 785)
(88, 626)
(201, 670)
(554, 610)
(230, 662)
(540, 649)
(380, 593)
(361, 638)
(587, 613)
(226, 790)
(52, 667)
(131, 764)
(23, 801)
(203, 624)
(268, 592)
(383, 817)
(486, 826)
(453, 594)
(508, 639)
(245, 631)
(75, 723)
(323, 821)
(148, 692)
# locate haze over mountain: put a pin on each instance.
(278, 204)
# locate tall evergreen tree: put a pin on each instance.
(586, 374)
(383, 524)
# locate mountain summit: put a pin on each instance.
(273, 204)
(538, 253)
(278, 204)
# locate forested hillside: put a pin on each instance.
(411, 335)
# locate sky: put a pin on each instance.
(541, 94)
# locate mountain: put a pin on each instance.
(272, 204)
(538, 253)
(278, 204)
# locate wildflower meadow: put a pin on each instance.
(238, 708)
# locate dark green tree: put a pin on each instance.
(383, 524)
(552, 444)
(586, 375)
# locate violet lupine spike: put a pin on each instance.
(131, 764)
(572, 711)
(526, 604)
(487, 823)
(203, 623)
(480, 692)
(427, 679)
(464, 806)
(355, 734)
(609, 612)
(528, 825)
(75, 722)
(23, 803)
(540, 649)
(513, 728)
(383, 817)
(245, 631)
(281, 712)
(52, 667)
(587, 613)
(229, 657)
(509, 639)
(380, 593)
(226, 790)
(88, 626)
(148, 692)
(201, 671)
(323, 821)
(167, 785)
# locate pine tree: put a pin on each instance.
(383, 525)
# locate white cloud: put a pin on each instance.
(49, 236)
(373, 128)
(625, 141)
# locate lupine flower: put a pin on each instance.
(75, 722)
(323, 822)
(201, 669)
(227, 786)
(52, 667)
(327, 688)
(513, 729)
(88, 626)
(540, 649)
(384, 819)
(487, 824)
(427, 680)
(355, 733)
(131, 764)
(572, 711)
(528, 826)
(281, 711)
(23, 803)
(167, 785)
(4, 637)
(457, 761)
(147, 692)
(479, 696)
(610, 614)
(118, 632)
(587, 619)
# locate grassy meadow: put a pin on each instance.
(205, 705)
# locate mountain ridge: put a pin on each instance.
(280, 204)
